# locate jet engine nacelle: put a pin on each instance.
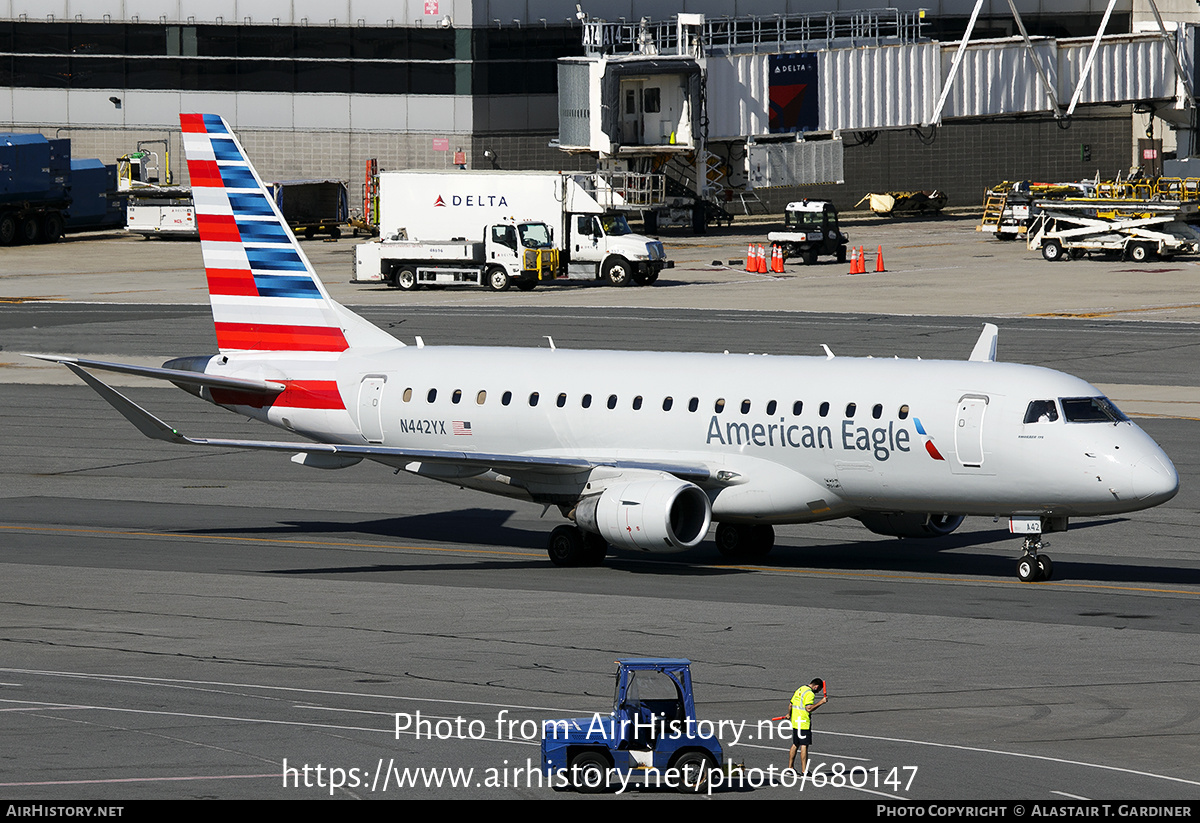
(911, 524)
(660, 515)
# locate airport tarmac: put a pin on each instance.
(181, 622)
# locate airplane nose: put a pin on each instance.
(1154, 478)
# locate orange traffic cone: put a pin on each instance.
(879, 260)
(777, 259)
(751, 259)
(854, 261)
(862, 261)
(762, 260)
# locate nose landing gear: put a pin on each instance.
(1034, 566)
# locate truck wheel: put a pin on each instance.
(405, 279)
(497, 279)
(618, 272)
(841, 254)
(52, 228)
(808, 256)
(589, 773)
(1052, 250)
(693, 770)
(1139, 252)
(8, 230)
(527, 285)
(29, 230)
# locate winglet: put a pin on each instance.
(985, 346)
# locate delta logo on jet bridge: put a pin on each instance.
(489, 200)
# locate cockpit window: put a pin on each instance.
(1091, 410)
(1041, 411)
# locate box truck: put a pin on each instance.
(439, 207)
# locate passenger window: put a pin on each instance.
(824, 410)
(1041, 411)
(506, 398)
(637, 402)
(533, 399)
(432, 395)
(612, 401)
(719, 406)
(771, 407)
(457, 396)
(903, 413)
(562, 400)
(481, 398)
(667, 403)
(851, 408)
(797, 408)
(693, 404)
(407, 395)
(586, 402)
(745, 407)
(877, 411)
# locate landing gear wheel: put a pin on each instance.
(762, 540)
(742, 542)
(567, 548)
(406, 279)
(595, 549)
(618, 272)
(693, 769)
(498, 279)
(589, 773)
(1052, 250)
(1045, 567)
(730, 540)
(1028, 569)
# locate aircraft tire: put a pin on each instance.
(1028, 570)
(693, 769)
(595, 549)
(566, 547)
(731, 540)
(1045, 567)
(762, 540)
(589, 772)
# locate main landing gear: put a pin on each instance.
(571, 546)
(742, 542)
(1034, 566)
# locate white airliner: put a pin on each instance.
(640, 450)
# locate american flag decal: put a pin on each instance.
(462, 427)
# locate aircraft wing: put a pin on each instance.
(178, 376)
(152, 427)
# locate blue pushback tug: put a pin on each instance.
(651, 738)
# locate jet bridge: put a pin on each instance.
(778, 89)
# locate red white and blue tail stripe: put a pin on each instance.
(265, 295)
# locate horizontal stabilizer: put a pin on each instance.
(177, 376)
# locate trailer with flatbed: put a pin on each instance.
(1139, 231)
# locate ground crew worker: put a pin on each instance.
(803, 702)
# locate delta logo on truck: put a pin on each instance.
(491, 200)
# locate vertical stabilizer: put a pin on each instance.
(265, 295)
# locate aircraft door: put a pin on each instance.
(968, 430)
(632, 113)
(370, 408)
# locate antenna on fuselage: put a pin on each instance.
(828, 353)
(551, 339)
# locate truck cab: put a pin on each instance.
(651, 736)
(810, 230)
(604, 246)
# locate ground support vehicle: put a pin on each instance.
(651, 737)
(1139, 231)
(810, 230)
(167, 212)
(312, 207)
(508, 253)
(595, 243)
(44, 193)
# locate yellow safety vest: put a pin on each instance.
(799, 717)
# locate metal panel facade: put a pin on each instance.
(795, 164)
(878, 88)
(999, 77)
(1134, 67)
